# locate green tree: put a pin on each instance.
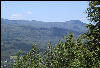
(31, 60)
(68, 54)
(92, 37)
(61, 55)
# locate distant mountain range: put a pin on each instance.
(76, 25)
(20, 34)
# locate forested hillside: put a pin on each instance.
(21, 34)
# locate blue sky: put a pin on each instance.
(48, 11)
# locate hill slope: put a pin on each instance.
(20, 34)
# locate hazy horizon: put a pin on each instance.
(47, 11)
(47, 21)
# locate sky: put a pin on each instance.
(48, 11)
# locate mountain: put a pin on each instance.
(21, 34)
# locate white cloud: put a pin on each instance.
(29, 12)
(17, 16)
(3, 7)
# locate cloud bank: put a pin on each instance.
(17, 16)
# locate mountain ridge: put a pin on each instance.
(21, 34)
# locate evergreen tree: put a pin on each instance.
(92, 37)
(31, 60)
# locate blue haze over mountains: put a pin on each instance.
(21, 34)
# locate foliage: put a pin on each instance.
(68, 54)
(31, 60)
(92, 37)
(94, 11)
